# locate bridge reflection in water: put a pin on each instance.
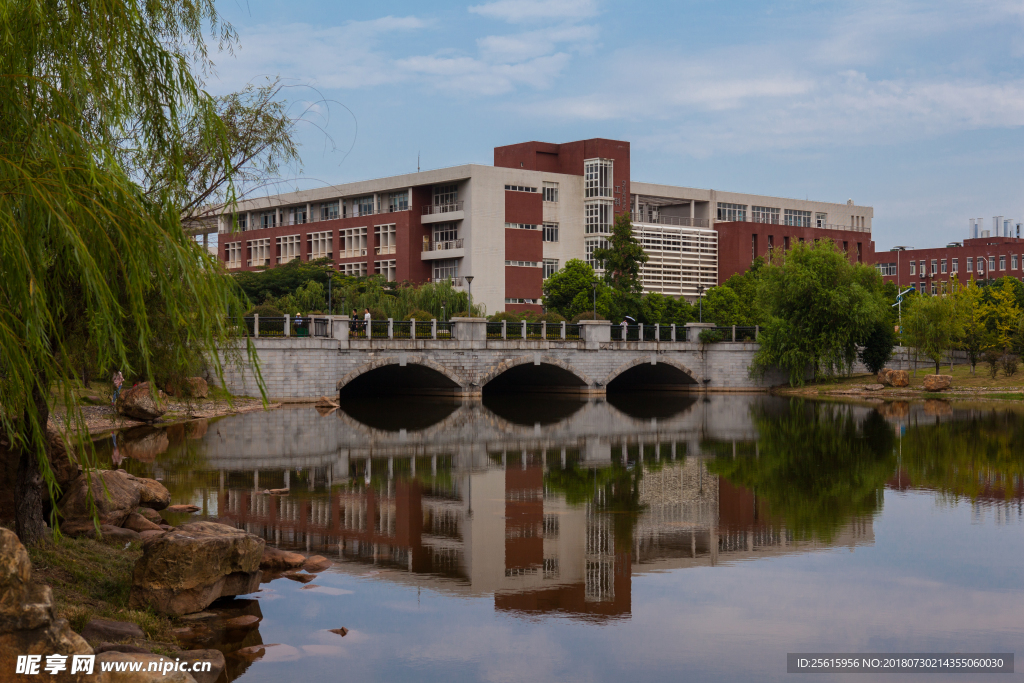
(550, 516)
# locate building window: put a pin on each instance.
(362, 206)
(259, 252)
(387, 269)
(386, 237)
(521, 301)
(981, 265)
(1013, 262)
(913, 267)
(523, 264)
(1002, 263)
(288, 248)
(446, 232)
(446, 194)
(551, 192)
(991, 263)
(597, 178)
(329, 211)
(320, 245)
(753, 247)
(886, 268)
(519, 188)
(551, 233)
(522, 226)
(354, 269)
(821, 220)
(732, 212)
(446, 269)
(935, 266)
(297, 215)
(550, 267)
(764, 214)
(242, 219)
(352, 242)
(268, 219)
(800, 219)
(942, 266)
(597, 217)
(970, 264)
(785, 243)
(933, 287)
(233, 254)
(591, 244)
(395, 201)
(771, 242)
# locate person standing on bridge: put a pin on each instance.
(366, 322)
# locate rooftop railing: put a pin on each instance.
(683, 221)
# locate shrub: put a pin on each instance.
(266, 310)
(419, 315)
(588, 315)
(991, 358)
(551, 318)
(707, 336)
(1009, 364)
(877, 350)
(513, 317)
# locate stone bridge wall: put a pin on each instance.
(309, 367)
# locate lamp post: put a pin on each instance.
(469, 282)
(593, 285)
(442, 311)
(700, 301)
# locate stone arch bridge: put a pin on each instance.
(470, 364)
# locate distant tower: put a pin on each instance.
(997, 226)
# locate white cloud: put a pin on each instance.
(517, 11)
(531, 44)
(469, 75)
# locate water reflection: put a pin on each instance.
(552, 506)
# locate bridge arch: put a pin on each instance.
(639, 373)
(534, 372)
(417, 374)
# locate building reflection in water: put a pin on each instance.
(548, 518)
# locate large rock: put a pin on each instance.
(188, 568)
(100, 630)
(194, 387)
(144, 675)
(937, 382)
(885, 377)
(138, 403)
(899, 378)
(275, 558)
(116, 494)
(214, 657)
(27, 622)
(137, 522)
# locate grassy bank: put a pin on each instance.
(965, 384)
(93, 579)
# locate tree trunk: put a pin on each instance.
(28, 511)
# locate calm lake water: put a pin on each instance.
(638, 538)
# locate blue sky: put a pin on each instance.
(914, 108)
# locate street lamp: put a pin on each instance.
(442, 311)
(700, 301)
(594, 286)
(469, 281)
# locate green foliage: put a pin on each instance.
(569, 291)
(974, 334)
(265, 310)
(878, 347)
(92, 259)
(1002, 313)
(707, 336)
(818, 308)
(722, 306)
(420, 315)
(623, 257)
(745, 309)
(931, 325)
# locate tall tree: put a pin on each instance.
(623, 257)
(974, 335)
(818, 307)
(931, 325)
(86, 252)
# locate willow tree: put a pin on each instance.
(86, 254)
(818, 308)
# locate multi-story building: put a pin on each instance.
(982, 256)
(515, 223)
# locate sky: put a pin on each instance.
(913, 108)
